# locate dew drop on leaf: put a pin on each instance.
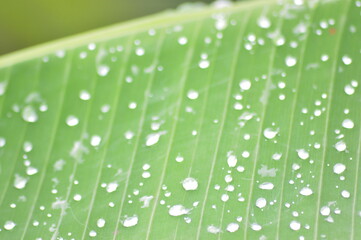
(270, 133)
(303, 154)
(295, 225)
(29, 114)
(340, 146)
(9, 225)
(190, 184)
(264, 22)
(261, 202)
(178, 210)
(130, 221)
(100, 222)
(306, 191)
(290, 61)
(348, 123)
(232, 227)
(325, 211)
(103, 70)
(182, 40)
(192, 94)
(245, 84)
(213, 229)
(346, 60)
(72, 121)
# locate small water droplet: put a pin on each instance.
(128, 135)
(100, 222)
(306, 191)
(9, 225)
(29, 114)
(204, 63)
(232, 227)
(178, 210)
(139, 51)
(348, 123)
(72, 121)
(290, 61)
(345, 194)
(20, 182)
(190, 184)
(339, 168)
(256, 227)
(92, 233)
(270, 133)
(346, 60)
(182, 40)
(84, 95)
(266, 186)
(303, 154)
(95, 140)
(103, 70)
(294, 225)
(111, 187)
(213, 229)
(245, 84)
(231, 159)
(261, 202)
(179, 158)
(325, 211)
(264, 22)
(77, 197)
(340, 146)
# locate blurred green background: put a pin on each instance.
(24, 23)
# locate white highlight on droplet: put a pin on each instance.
(95, 140)
(103, 70)
(346, 60)
(264, 22)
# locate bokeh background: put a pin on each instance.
(25, 23)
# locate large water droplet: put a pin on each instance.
(245, 84)
(340, 146)
(101, 222)
(9, 225)
(261, 202)
(348, 123)
(290, 61)
(270, 133)
(232, 227)
(72, 121)
(303, 154)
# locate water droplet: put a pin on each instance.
(29, 114)
(178, 210)
(146, 174)
(264, 22)
(182, 40)
(232, 159)
(139, 51)
(256, 227)
(111, 187)
(232, 227)
(348, 123)
(84, 95)
(153, 138)
(103, 70)
(349, 90)
(9, 225)
(303, 154)
(269, 133)
(179, 158)
(306, 191)
(128, 135)
(261, 202)
(346, 60)
(77, 197)
(95, 140)
(132, 105)
(204, 63)
(213, 229)
(92, 233)
(345, 194)
(324, 57)
(339, 168)
(325, 211)
(291, 61)
(340, 146)
(31, 171)
(146, 201)
(101, 222)
(2, 142)
(72, 121)
(245, 84)
(266, 186)
(28, 146)
(20, 182)
(276, 156)
(294, 225)
(190, 184)
(130, 221)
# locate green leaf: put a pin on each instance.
(221, 123)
